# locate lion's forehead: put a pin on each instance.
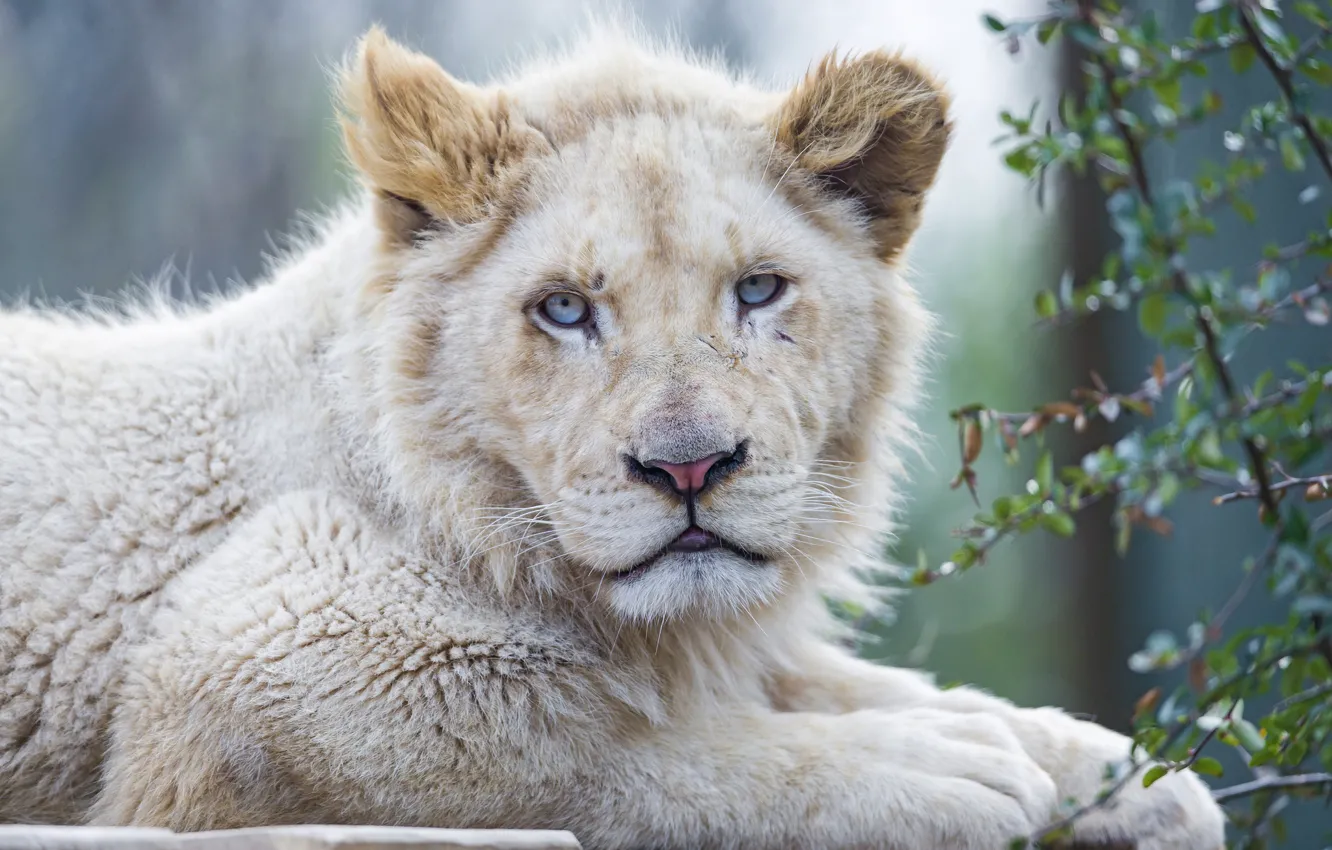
(632, 174)
(664, 207)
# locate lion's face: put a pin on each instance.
(670, 340)
(664, 328)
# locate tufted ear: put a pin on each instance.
(432, 148)
(873, 127)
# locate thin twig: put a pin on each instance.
(1323, 481)
(1295, 299)
(1283, 77)
(1232, 603)
(1198, 51)
(1040, 837)
(1207, 739)
(1310, 46)
(1303, 697)
(1288, 390)
(1272, 783)
(1296, 250)
(1250, 579)
(1150, 390)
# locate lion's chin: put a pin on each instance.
(716, 583)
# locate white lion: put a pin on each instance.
(514, 498)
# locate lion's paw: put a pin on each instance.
(1175, 813)
(973, 784)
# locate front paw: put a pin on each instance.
(1175, 813)
(958, 781)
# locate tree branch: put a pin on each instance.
(1211, 344)
(1323, 483)
(1273, 783)
(1303, 696)
(1283, 80)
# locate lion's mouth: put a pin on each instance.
(692, 540)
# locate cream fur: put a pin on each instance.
(344, 547)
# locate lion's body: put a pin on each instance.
(130, 452)
(359, 545)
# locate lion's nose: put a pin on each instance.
(692, 477)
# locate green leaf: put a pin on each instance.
(1209, 766)
(1321, 72)
(1168, 91)
(1245, 209)
(1310, 10)
(1242, 57)
(1045, 472)
(1249, 736)
(1168, 488)
(1152, 313)
(1296, 527)
(1150, 27)
(1046, 305)
(1059, 523)
(1022, 160)
(1209, 448)
(994, 23)
(1154, 774)
(1291, 155)
(964, 557)
(1204, 27)
(1048, 29)
(1296, 753)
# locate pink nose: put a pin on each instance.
(689, 477)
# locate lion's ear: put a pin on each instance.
(873, 127)
(432, 148)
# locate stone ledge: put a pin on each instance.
(282, 838)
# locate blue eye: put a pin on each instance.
(759, 289)
(566, 308)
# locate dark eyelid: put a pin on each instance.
(767, 267)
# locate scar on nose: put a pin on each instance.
(733, 358)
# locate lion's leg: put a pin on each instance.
(758, 778)
(187, 769)
(735, 779)
(1176, 812)
(189, 744)
(304, 674)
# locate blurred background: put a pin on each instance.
(140, 133)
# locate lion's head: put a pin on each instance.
(652, 316)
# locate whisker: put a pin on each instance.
(846, 483)
(778, 184)
(547, 537)
(751, 616)
(827, 461)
